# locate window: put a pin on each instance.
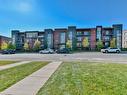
(22, 39)
(98, 33)
(31, 35)
(79, 44)
(125, 34)
(41, 36)
(106, 44)
(49, 40)
(13, 39)
(125, 38)
(62, 46)
(79, 33)
(107, 38)
(79, 38)
(86, 33)
(70, 37)
(118, 33)
(62, 37)
(107, 32)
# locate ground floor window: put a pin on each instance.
(62, 46)
(107, 44)
(79, 44)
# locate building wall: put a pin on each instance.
(71, 35)
(4, 39)
(19, 38)
(93, 39)
(49, 38)
(107, 35)
(52, 38)
(117, 33)
(57, 38)
(124, 38)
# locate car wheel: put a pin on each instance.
(106, 51)
(117, 51)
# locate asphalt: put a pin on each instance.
(82, 56)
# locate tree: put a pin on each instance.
(26, 46)
(4, 45)
(113, 43)
(37, 45)
(85, 42)
(11, 46)
(100, 45)
(68, 44)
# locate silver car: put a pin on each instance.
(46, 51)
(111, 50)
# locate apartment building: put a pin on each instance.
(4, 39)
(58, 37)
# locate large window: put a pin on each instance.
(62, 37)
(31, 35)
(118, 38)
(13, 38)
(98, 33)
(70, 35)
(49, 40)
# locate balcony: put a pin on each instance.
(83, 33)
(110, 34)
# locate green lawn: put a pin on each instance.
(10, 76)
(87, 79)
(7, 62)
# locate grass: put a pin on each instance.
(10, 76)
(7, 62)
(75, 78)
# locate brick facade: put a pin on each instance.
(93, 39)
(4, 39)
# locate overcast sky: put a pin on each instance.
(40, 14)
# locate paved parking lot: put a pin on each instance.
(89, 56)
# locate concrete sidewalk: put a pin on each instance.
(13, 65)
(31, 84)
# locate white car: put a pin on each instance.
(46, 51)
(111, 50)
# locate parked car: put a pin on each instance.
(46, 51)
(10, 51)
(111, 50)
(64, 50)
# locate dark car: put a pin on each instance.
(10, 51)
(64, 50)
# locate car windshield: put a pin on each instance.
(108, 48)
(48, 49)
